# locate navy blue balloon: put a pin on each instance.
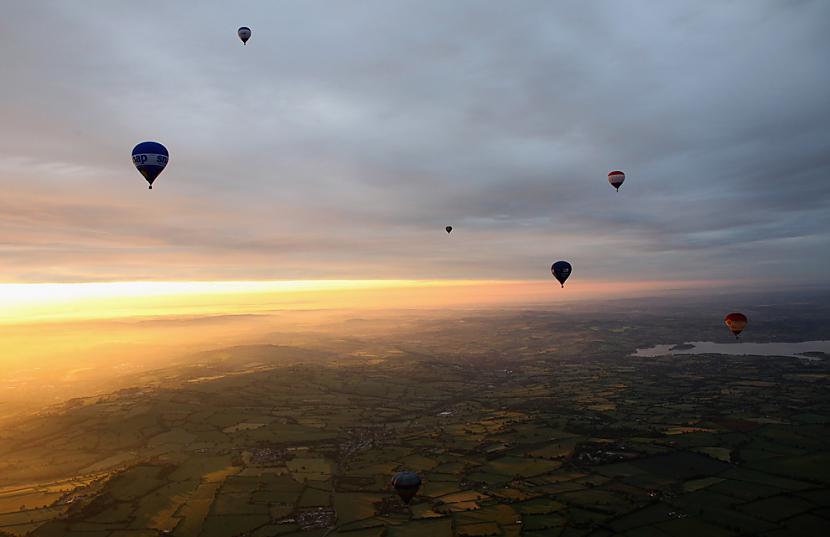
(406, 485)
(561, 270)
(244, 34)
(150, 158)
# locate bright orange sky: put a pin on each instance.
(27, 303)
(77, 337)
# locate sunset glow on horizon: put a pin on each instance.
(47, 302)
(142, 323)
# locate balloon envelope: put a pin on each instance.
(561, 270)
(150, 158)
(448, 228)
(406, 485)
(244, 34)
(736, 322)
(616, 179)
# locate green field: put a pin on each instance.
(510, 440)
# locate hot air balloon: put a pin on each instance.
(736, 323)
(406, 485)
(150, 158)
(561, 270)
(449, 229)
(616, 179)
(244, 34)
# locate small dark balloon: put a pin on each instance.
(406, 484)
(449, 229)
(561, 270)
(244, 34)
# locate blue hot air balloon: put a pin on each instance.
(244, 34)
(561, 270)
(406, 485)
(150, 158)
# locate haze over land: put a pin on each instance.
(67, 340)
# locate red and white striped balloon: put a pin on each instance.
(616, 179)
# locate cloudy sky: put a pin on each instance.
(343, 138)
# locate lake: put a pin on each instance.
(793, 350)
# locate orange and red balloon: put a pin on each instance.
(736, 322)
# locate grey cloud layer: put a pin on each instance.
(343, 138)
